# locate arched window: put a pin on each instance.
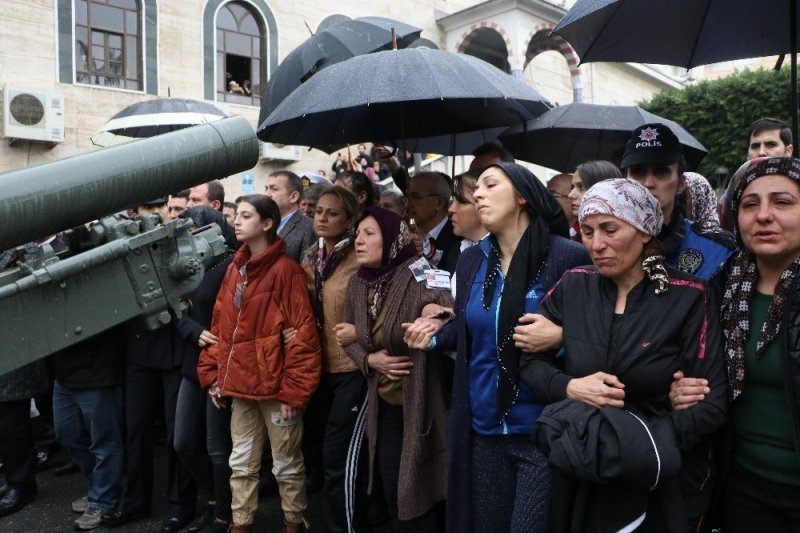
(108, 43)
(241, 69)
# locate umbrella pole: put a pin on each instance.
(793, 38)
(453, 156)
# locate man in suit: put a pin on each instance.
(427, 198)
(297, 231)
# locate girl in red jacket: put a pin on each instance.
(270, 379)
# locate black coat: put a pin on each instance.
(93, 363)
(658, 335)
(450, 245)
(197, 318)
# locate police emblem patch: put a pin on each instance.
(690, 260)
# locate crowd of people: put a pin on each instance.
(615, 350)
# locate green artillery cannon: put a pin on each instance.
(115, 270)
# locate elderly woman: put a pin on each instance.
(760, 320)
(329, 266)
(406, 402)
(628, 322)
(493, 463)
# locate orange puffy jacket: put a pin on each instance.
(259, 298)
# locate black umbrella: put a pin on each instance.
(572, 134)
(154, 117)
(407, 94)
(341, 41)
(684, 33)
(454, 144)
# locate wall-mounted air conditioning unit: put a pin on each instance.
(33, 114)
(280, 152)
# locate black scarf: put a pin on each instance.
(547, 217)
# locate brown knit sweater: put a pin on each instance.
(423, 460)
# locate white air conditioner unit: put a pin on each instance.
(280, 152)
(33, 114)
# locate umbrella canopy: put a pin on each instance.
(154, 117)
(341, 41)
(407, 94)
(454, 144)
(684, 33)
(572, 134)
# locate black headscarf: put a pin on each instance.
(203, 215)
(546, 217)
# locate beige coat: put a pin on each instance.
(334, 358)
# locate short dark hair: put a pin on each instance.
(182, 194)
(216, 192)
(493, 149)
(593, 172)
(231, 205)
(361, 183)
(769, 124)
(315, 191)
(266, 209)
(293, 181)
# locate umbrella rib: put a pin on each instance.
(697, 37)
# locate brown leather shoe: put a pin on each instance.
(294, 528)
(244, 528)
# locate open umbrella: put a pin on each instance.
(154, 117)
(341, 41)
(572, 134)
(408, 94)
(684, 33)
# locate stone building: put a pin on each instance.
(96, 57)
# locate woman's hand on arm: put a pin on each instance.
(206, 338)
(215, 393)
(537, 333)
(599, 389)
(345, 334)
(391, 366)
(685, 392)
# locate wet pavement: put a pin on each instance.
(50, 512)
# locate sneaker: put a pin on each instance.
(91, 519)
(81, 505)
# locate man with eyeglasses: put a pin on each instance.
(427, 200)
(559, 186)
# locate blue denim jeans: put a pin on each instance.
(89, 424)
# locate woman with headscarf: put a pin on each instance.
(405, 423)
(760, 318)
(202, 431)
(493, 464)
(629, 321)
(701, 201)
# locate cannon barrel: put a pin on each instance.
(41, 200)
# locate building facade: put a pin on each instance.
(100, 56)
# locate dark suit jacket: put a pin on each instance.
(450, 245)
(298, 234)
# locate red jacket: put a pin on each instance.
(250, 360)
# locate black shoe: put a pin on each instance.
(67, 469)
(175, 523)
(15, 499)
(3, 490)
(118, 517)
(205, 518)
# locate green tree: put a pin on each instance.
(718, 112)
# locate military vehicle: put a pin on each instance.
(114, 269)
